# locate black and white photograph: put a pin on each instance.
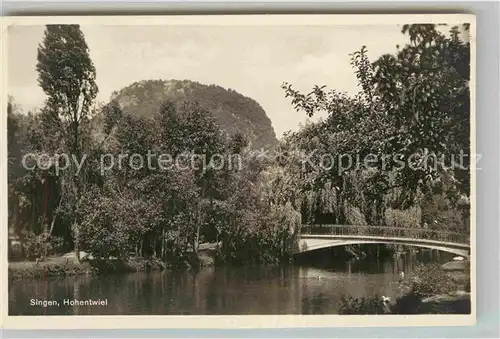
(240, 166)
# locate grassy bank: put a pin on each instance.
(51, 267)
(67, 265)
(63, 266)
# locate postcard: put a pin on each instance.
(238, 171)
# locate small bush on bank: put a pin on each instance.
(32, 270)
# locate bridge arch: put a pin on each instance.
(315, 237)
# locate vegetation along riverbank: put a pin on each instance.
(68, 265)
(430, 289)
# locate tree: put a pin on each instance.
(424, 89)
(67, 75)
(412, 107)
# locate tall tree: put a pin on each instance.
(67, 75)
(413, 106)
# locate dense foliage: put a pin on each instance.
(426, 281)
(430, 280)
(413, 107)
(390, 154)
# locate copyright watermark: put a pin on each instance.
(307, 161)
(135, 162)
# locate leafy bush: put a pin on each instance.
(366, 305)
(41, 245)
(431, 280)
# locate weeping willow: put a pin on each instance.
(278, 189)
(354, 197)
(353, 215)
(287, 216)
(348, 200)
(410, 217)
(328, 198)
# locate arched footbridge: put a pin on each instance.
(314, 237)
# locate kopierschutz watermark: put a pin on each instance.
(317, 161)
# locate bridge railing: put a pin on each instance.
(386, 231)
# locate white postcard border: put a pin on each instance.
(241, 321)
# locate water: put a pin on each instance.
(288, 289)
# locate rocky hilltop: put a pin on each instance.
(234, 112)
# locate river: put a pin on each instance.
(290, 289)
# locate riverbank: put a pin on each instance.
(431, 289)
(57, 266)
(68, 265)
(228, 289)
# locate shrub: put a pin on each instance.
(431, 280)
(428, 280)
(41, 245)
(403, 218)
(366, 305)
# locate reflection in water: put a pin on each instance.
(225, 290)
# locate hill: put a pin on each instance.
(233, 112)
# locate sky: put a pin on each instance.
(252, 60)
